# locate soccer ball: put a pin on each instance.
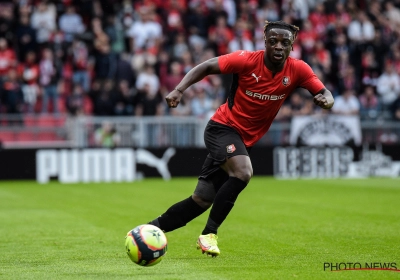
(146, 245)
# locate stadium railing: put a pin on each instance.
(39, 131)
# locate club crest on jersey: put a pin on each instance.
(286, 81)
(230, 148)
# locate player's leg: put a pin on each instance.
(228, 152)
(240, 171)
(179, 214)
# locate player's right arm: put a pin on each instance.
(198, 73)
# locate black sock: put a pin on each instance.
(223, 203)
(178, 215)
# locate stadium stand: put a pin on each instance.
(68, 58)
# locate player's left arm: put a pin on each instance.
(324, 99)
(322, 96)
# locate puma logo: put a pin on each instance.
(242, 53)
(255, 77)
(161, 164)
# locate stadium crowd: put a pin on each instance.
(120, 58)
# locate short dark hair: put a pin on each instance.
(281, 25)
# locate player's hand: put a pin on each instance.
(322, 101)
(173, 98)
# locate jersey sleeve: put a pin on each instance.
(233, 62)
(308, 79)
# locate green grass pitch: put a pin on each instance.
(278, 229)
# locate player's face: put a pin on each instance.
(278, 44)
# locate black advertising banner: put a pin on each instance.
(128, 164)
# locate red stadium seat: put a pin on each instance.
(7, 136)
(25, 136)
(45, 121)
(47, 136)
(29, 120)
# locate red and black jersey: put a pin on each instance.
(256, 94)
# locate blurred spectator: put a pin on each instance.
(340, 48)
(104, 103)
(361, 30)
(71, 23)
(297, 51)
(348, 80)
(173, 17)
(124, 70)
(43, 20)
(216, 11)
(230, 8)
(184, 108)
(76, 101)
(125, 17)
(307, 38)
(7, 58)
(11, 92)
(268, 11)
(49, 76)
(25, 37)
(196, 19)
(149, 103)
(148, 79)
(29, 73)
(125, 101)
(240, 42)
(247, 13)
(323, 56)
(388, 86)
(341, 15)
(380, 49)
(106, 136)
(297, 10)
(80, 64)
(370, 68)
(187, 61)
(393, 14)
(202, 104)
(100, 37)
(396, 60)
(180, 46)
(346, 104)
(145, 37)
(319, 19)
(361, 33)
(395, 108)
(299, 105)
(173, 78)
(220, 35)
(216, 91)
(105, 63)
(115, 32)
(6, 20)
(369, 104)
(95, 90)
(351, 7)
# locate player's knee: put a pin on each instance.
(204, 193)
(202, 202)
(243, 173)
